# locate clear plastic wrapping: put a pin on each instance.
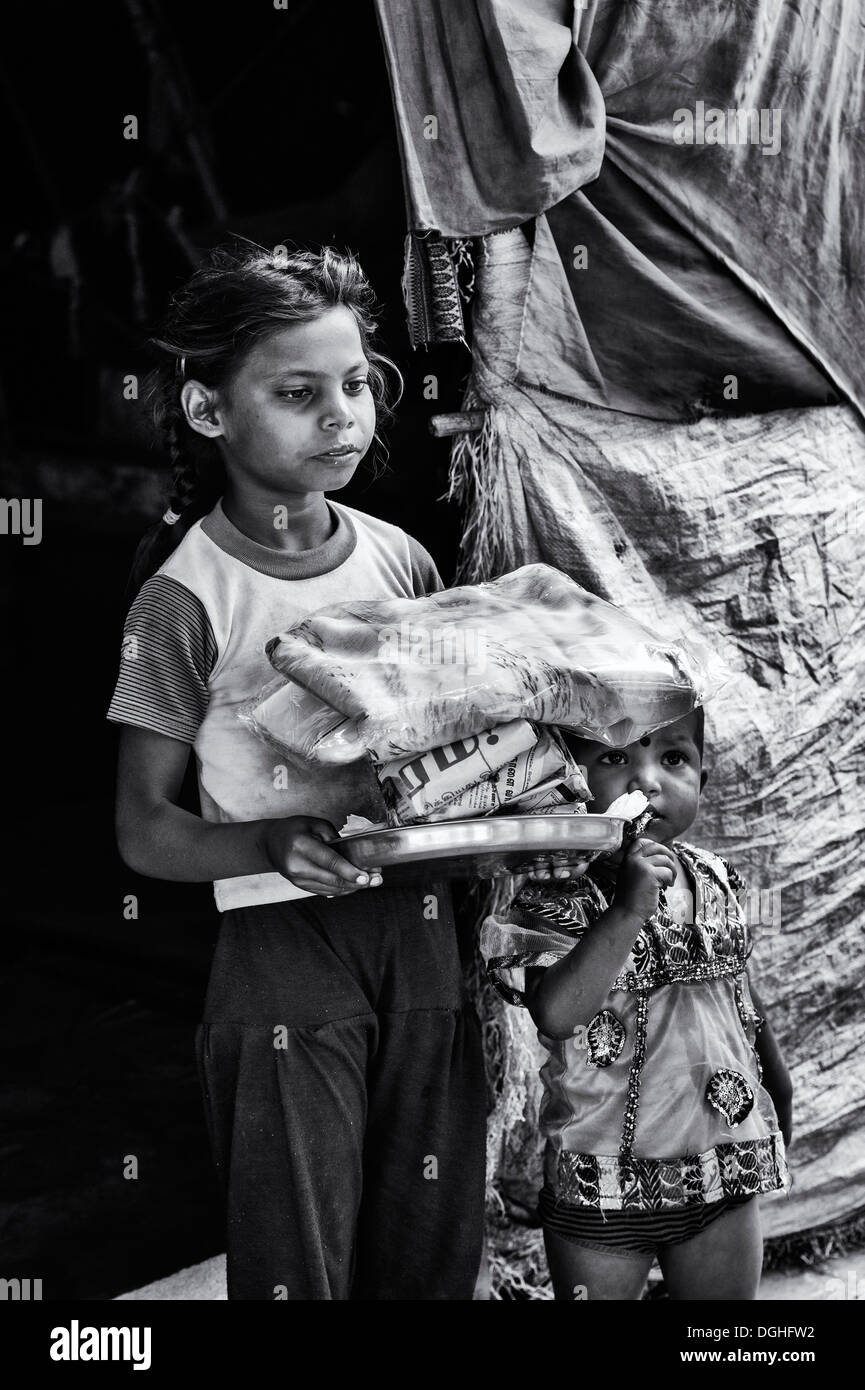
(398, 676)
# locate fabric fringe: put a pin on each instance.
(816, 1245)
(518, 1264)
(462, 255)
(475, 483)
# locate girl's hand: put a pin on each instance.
(295, 847)
(646, 868)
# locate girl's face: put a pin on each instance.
(665, 766)
(298, 415)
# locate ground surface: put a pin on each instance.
(842, 1277)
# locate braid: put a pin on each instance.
(192, 492)
(185, 488)
(183, 473)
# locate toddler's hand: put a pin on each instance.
(556, 864)
(646, 868)
(296, 848)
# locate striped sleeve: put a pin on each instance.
(167, 655)
(425, 577)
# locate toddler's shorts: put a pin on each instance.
(630, 1233)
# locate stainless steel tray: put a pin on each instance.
(484, 847)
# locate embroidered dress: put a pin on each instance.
(657, 1104)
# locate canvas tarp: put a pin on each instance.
(700, 260)
(609, 452)
(746, 533)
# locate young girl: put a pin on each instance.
(340, 1061)
(657, 1111)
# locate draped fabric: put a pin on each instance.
(684, 264)
(498, 114)
(747, 534)
(653, 325)
(616, 448)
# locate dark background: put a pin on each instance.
(275, 125)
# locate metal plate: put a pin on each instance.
(483, 847)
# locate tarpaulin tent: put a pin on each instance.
(664, 203)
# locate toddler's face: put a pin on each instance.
(666, 766)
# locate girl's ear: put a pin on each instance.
(199, 404)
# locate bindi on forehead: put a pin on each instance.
(645, 740)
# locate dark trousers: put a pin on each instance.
(343, 1081)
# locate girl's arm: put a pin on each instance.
(158, 839)
(776, 1077)
(567, 995)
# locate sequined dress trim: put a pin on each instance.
(746, 1166)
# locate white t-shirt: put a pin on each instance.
(193, 656)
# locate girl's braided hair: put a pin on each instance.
(235, 298)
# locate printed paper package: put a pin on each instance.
(507, 766)
(563, 798)
(398, 676)
(425, 786)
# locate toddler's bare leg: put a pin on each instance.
(579, 1272)
(721, 1263)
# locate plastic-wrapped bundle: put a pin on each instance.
(396, 676)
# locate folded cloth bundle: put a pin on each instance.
(398, 676)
